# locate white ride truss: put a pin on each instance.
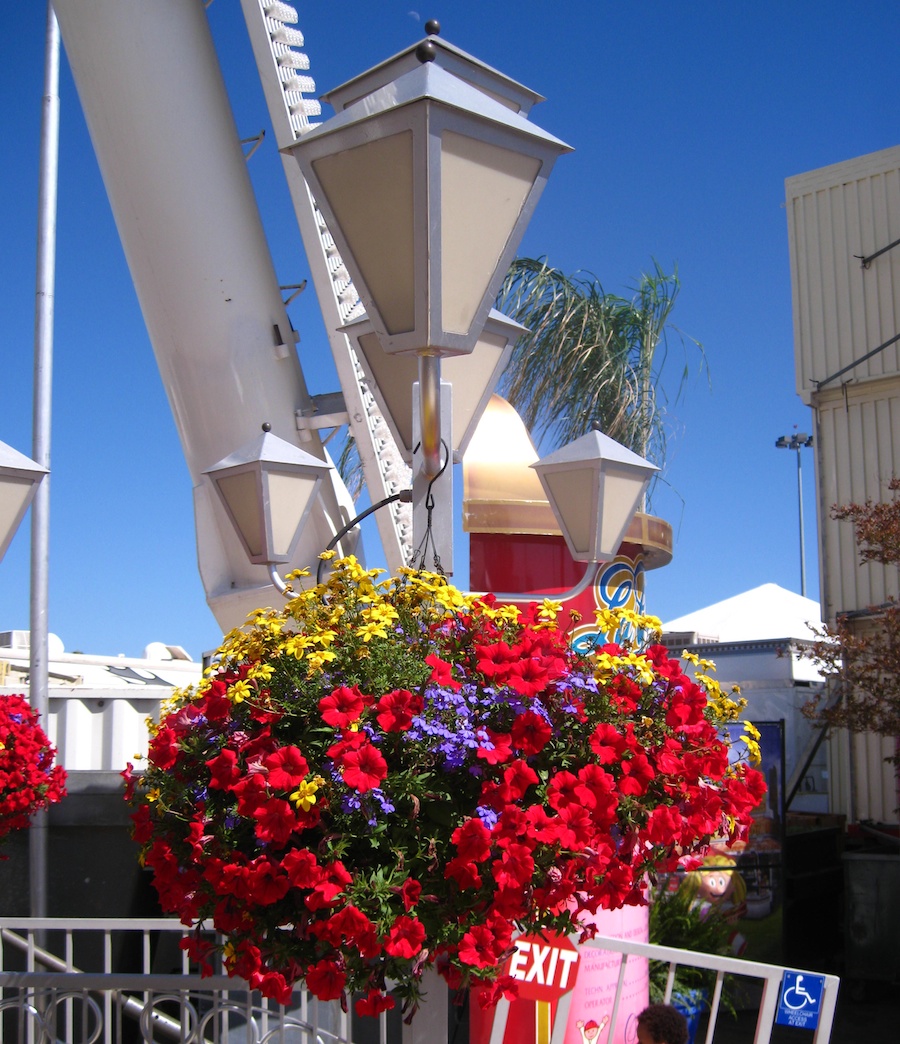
(275, 40)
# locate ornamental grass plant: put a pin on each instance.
(384, 776)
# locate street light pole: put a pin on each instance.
(38, 678)
(796, 442)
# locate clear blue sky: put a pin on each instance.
(686, 119)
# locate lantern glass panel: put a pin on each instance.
(370, 189)
(14, 494)
(289, 497)
(472, 376)
(394, 376)
(483, 190)
(241, 494)
(573, 494)
(622, 490)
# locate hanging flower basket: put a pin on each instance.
(29, 781)
(380, 777)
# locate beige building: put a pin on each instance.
(844, 236)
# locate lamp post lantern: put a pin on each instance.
(796, 442)
(267, 489)
(594, 486)
(427, 183)
(19, 478)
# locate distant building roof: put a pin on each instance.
(764, 612)
(161, 665)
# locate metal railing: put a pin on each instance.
(767, 976)
(61, 981)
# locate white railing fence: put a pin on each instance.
(61, 981)
(766, 977)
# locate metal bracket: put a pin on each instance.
(864, 262)
(327, 411)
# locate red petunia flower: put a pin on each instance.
(266, 883)
(503, 987)
(441, 672)
(342, 706)
(495, 661)
(374, 1003)
(164, 749)
(396, 710)
(286, 768)
(410, 892)
(463, 872)
(405, 937)
(325, 980)
(517, 778)
(272, 984)
(608, 743)
(499, 749)
(637, 774)
(473, 840)
(223, 770)
(333, 881)
(480, 947)
(302, 868)
(275, 821)
(531, 733)
(363, 769)
(532, 675)
(514, 868)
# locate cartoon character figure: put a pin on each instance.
(718, 885)
(591, 1030)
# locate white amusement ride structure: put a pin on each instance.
(175, 172)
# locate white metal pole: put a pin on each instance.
(43, 366)
(432, 496)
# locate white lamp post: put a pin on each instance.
(594, 486)
(19, 478)
(267, 489)
(427, 184)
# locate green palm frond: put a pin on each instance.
(350, 468)
(590, 358)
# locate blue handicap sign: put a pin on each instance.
(801, 1000)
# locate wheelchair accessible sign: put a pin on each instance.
(801, 1000)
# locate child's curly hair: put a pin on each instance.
(665, 1024)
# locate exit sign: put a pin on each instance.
(544, 966)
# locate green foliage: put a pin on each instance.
(675, 921)
(590, 357)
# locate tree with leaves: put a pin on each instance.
(590, 358)
(860, 653)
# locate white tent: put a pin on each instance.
(762, 613)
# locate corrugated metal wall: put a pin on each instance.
(857, 451)
(844, 311)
